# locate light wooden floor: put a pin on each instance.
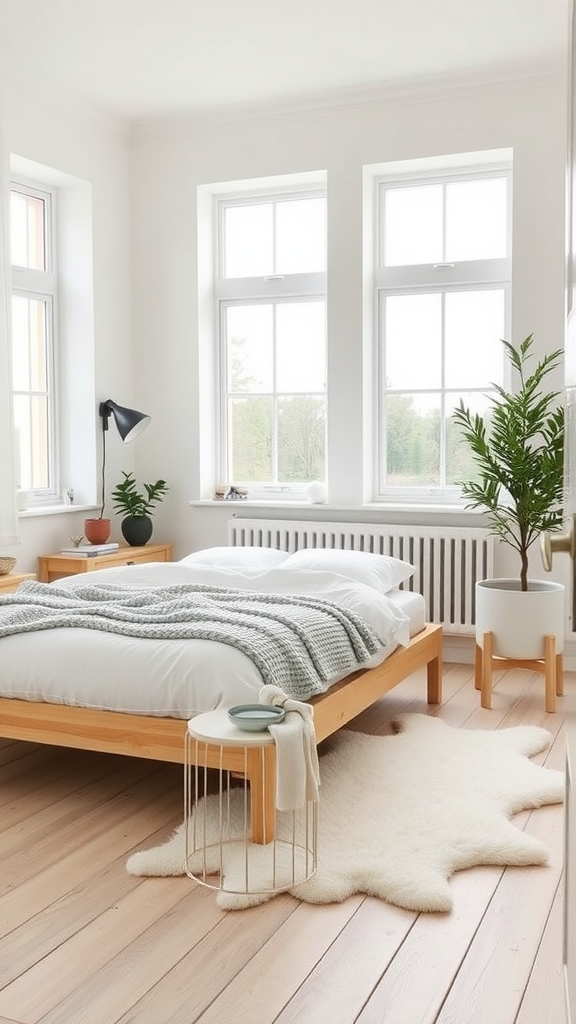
(84, 942)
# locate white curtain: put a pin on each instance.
(8, 513)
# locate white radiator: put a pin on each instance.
(448, 561)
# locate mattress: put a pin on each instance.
(413, 606)
(177, 678)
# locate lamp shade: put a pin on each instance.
(130, 422)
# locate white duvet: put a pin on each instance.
(174, 678)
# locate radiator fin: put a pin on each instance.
(448, 561)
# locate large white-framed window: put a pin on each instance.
(33, 339)
(442, 305)
(270, 290)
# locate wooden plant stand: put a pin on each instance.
(552, 665)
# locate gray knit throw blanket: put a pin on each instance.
(298, 643)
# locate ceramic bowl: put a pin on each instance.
(7, 563)
(255, 717)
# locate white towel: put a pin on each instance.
(297, 770)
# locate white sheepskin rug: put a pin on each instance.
(399, 814)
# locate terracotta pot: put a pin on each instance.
(97, 531)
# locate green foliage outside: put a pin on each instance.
(299, 434)
(413, 447)
(301, 439)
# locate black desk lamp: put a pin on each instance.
(130, 424)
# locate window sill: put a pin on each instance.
(379, 509)
(54, 510)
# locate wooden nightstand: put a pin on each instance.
(12, 580)
(54, 567)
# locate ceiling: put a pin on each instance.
(152, 58)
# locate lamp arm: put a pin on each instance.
(105, 413)
(103, 482)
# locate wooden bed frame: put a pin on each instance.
(163, 738)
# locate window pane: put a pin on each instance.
(301, 236)
(413, 326)
(460, 464)
(301, 439)
(29, 351)
(248, 245)
(31, 427)
(250, 440)
(249, 337)
(301, 346)
(412, 440)
(27, 239)
(476, 222)
(474, 327)
(413, 225)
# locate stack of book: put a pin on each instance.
(90, 550)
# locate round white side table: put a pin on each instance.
(237, 840)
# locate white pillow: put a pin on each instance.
(381, 572)
(240, 557)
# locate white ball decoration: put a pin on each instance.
(317, 493)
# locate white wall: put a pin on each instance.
(93, 151)
(145, 265)
(171, 159)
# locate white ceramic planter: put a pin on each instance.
(519, 620)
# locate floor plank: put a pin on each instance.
(491, 982)
(84, 942)
(543, 999)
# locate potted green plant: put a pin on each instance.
(518, 449)
(137, 507)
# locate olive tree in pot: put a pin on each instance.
(518, 450)
(137, 507)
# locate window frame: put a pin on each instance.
(271, 289)
(464, 275)
(43, 285)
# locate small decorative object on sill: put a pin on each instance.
(220, 492)
(236, 494)
(317, 493)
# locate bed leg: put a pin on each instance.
(434, 675)
(478, 668)
(262, 778)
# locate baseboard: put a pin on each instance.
(458, 649)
